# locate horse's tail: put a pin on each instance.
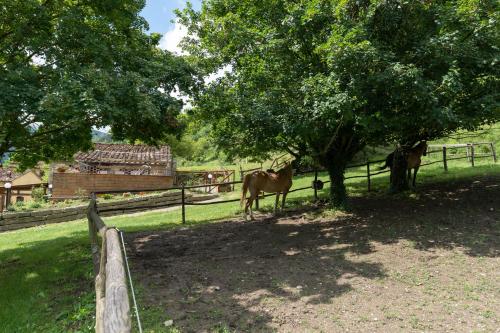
(246, 182)
(388, 161)
(384, 166)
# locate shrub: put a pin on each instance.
(37, 193)
(107, 196)
(34, 205)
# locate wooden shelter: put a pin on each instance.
(114, 167)
(125, 159)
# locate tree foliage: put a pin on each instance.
(68, 66)
(325, 78)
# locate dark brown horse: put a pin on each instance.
(413, 159)
(274, 182)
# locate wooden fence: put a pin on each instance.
(276, 164)
(112, 302)
(207, 178)
(470, 152)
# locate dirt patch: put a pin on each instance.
(425, 263)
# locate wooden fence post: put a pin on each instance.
(315, 185)
(100, 289)
(117, 307)
(492, 147)
(472, 155)
(368, 175)
(183, 201)
(445, 163)
(241, 173)
(94, 242)
(234, 178)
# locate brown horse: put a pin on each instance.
(257, 181)
(413, 159)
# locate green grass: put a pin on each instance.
(43, 204)
(46, 280)
(40, 205)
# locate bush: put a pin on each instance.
(107, 196)
(34, 205)
(18, 206)
(37, 193)
(305, 163)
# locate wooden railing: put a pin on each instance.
(280, 161)
(204, 178)
(244, 172)
(112, 303)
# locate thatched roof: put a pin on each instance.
(106, 153)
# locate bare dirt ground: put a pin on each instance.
(430, 262)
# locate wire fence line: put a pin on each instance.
(131, 284)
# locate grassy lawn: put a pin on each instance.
(45, 272)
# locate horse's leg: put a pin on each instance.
(253, 195)
(415, 175)
(276, 202)
(249, 207)
(245, 213)
(285, 192)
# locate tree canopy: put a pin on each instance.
(69, 66)
(325, 78)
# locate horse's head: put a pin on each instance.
(287, 169)
(423, 145)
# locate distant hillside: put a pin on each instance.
(98, 136)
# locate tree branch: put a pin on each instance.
(294, 154)
(334, 136)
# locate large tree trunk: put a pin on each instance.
(399, 180)
(338, 193)
(338, 152)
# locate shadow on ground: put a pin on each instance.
(275, 273)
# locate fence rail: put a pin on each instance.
(112, 303)
(210, 179)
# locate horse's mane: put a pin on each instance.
(421, 144)
(286, 169)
